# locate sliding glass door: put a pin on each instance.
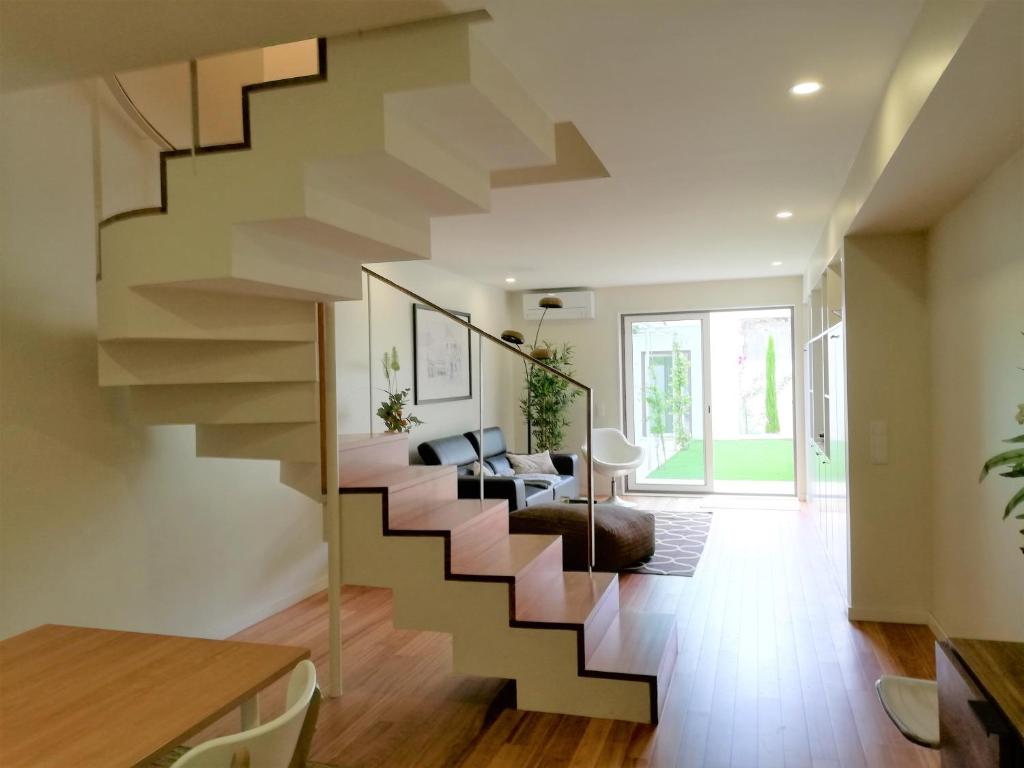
(745, 444)
(667, 394)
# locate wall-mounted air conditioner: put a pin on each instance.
(577, 305)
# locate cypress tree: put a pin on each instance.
(771, 405)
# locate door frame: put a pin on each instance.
(799, 378)
(629, 418)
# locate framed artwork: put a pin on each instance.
(442, 357)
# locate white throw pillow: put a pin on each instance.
(475, 470)
(532, 464)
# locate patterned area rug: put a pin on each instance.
(679, 539)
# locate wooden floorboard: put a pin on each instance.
(770, 673)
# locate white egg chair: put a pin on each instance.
(913, 707)
(614, 457)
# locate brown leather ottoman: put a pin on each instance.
(623, 536)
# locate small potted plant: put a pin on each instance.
(392, 410)
(1012, 461)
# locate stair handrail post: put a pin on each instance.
(330, 485)
(369, 351)
(480, 408)
(591, 541)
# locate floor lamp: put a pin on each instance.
(514, 337)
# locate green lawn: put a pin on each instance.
(734, 460)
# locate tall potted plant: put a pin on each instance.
(1012, 461)
(548, 397)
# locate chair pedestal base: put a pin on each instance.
(616, 499)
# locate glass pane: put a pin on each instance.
(668, 401)
(752, 414)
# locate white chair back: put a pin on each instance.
(267, 746)
(612, 447)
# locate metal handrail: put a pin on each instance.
(466, 324)
(591, 548)
(123, 98)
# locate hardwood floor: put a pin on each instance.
(770, 673)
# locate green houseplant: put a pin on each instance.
(679, 397)
(1012, 461)
(392, 410)
(657, 406)
(547, 400)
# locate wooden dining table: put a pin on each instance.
(83, 697)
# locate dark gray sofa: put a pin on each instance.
(462, 451)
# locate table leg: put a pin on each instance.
(251, 712)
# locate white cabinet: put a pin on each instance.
(825, 363)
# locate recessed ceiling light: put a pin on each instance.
(510, 279)
(776, 263)
(784, 215)
(805, 88)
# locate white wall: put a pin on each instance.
(392, 327)
(886, 360)
(598, 341)
(105, 523)
(976, 310)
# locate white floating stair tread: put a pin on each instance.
(337, 230)
(451, 516)
(913, 706)
(635, 644)
(506, 555)
(299, 442)
(570, 597)
(378, 181)
(173, 313)
(391, 478)
(491, 120)
(324, 236)
(261, 403)
(124, 363)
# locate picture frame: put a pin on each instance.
(442, 357)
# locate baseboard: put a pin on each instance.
(266, 610)
(889, 614)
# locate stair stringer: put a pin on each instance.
(545, 660)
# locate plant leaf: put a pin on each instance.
(1015, 501)
(1017, 439)
(1007, 457)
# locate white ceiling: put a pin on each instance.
(687, 105)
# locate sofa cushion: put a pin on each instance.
(494, 441)
(500, 464)
(534, 463)
(448, 450)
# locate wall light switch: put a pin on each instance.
(878, 441)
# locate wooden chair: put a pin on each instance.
(282, 743)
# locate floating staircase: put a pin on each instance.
(207, 315)
(511, 609)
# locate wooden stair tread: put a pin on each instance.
(634, 644)
(448, 517)
(364, 439)
(563, 598)
(504, 555)
(391, 478)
